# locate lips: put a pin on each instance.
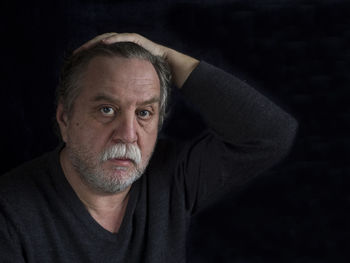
(121, 161)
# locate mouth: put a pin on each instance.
(125, 162)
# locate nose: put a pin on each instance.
(125, 130)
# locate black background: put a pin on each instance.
(295, 52)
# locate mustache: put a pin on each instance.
(122, 151)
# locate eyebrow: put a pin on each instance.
(150, 101)
(105, 97)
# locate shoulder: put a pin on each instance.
(172, 154)
(169, 149)
(164, 151)
(20, 184)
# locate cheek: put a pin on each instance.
(76, 130)
(148, 143)
(81, 132)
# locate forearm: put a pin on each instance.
(180, 64)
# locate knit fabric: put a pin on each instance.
(43, 220)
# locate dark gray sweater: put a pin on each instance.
(43, 220)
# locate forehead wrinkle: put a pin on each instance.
(102, 96)
(135, 83)
(106, 71)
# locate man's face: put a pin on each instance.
(118, 105)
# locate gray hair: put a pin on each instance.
(74, 66)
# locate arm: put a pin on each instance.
(248, 135)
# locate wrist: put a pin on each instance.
(181, 65)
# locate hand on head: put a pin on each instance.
(109, 38)
(181, 65)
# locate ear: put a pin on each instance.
(62, 120)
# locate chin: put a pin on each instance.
(116, 180)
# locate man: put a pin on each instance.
(112, 192)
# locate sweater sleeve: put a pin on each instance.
(10, 249)
(247, 134)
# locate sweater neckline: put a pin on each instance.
(80, 212)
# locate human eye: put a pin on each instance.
(144, 114)
(107, 111)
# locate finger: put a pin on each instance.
(123, 37)
(137, 39)
(93, 41)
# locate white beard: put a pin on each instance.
(90, 167)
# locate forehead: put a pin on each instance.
(119, 76)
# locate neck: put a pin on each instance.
(107, 209)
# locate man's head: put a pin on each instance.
(111, 103)
(73, 68)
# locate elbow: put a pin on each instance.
(285, 138)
